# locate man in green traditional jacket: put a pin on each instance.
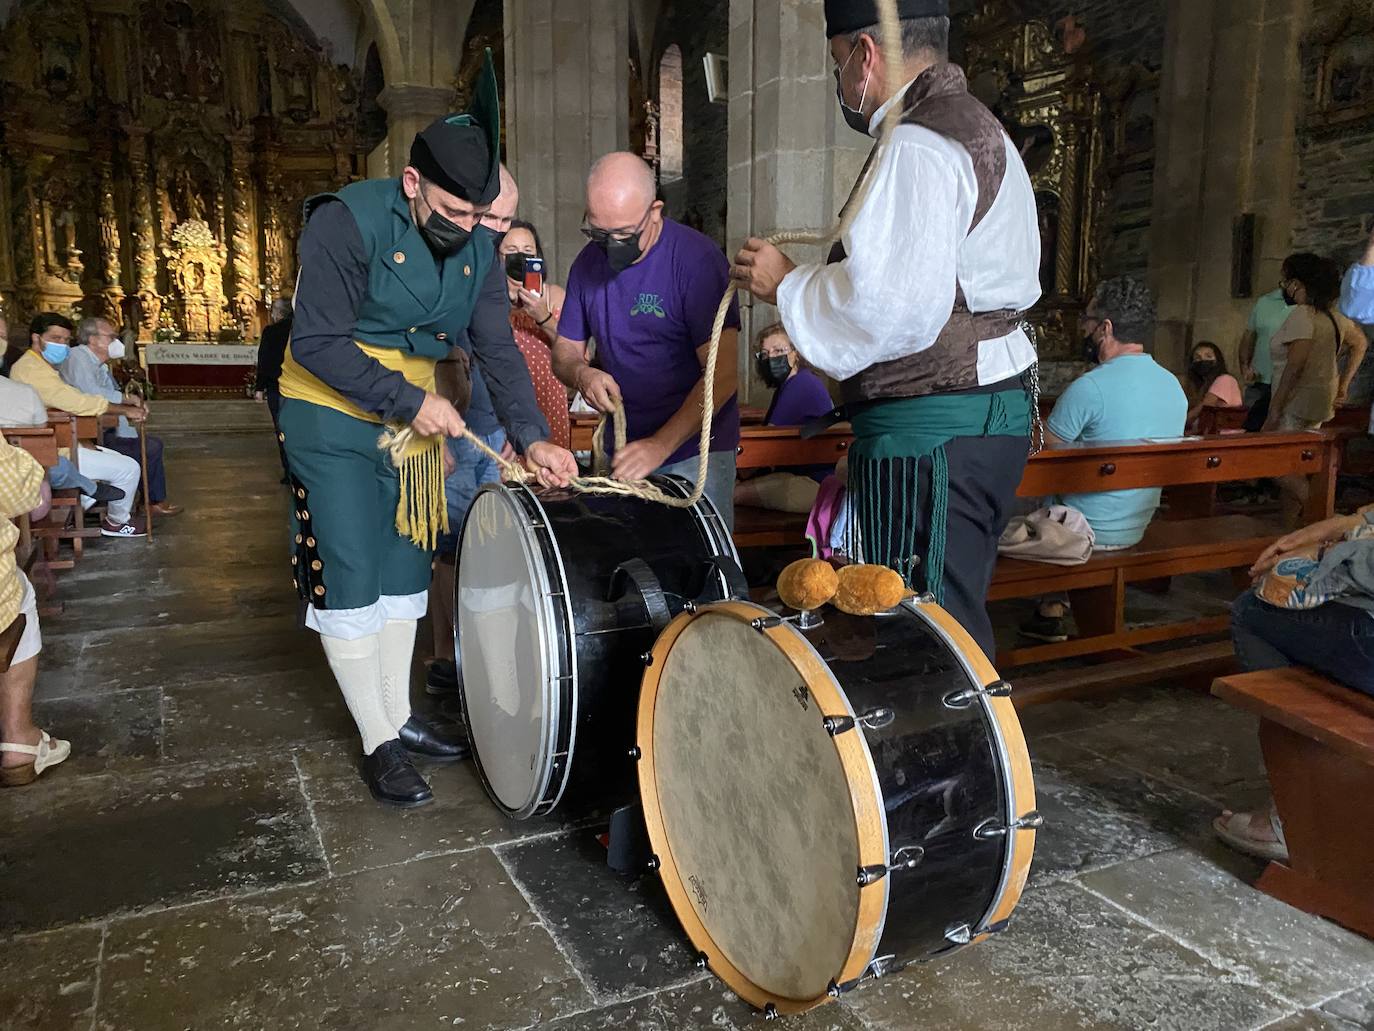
(392, 274)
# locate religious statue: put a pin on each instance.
(195, 267)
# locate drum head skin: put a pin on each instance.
(503, 622)
(755, 805)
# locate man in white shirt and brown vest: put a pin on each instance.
(918, 312)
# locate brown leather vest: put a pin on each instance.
(940, 101)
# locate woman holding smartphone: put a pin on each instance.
(535, 305)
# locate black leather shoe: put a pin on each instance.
(436, 744)
(393, 779)
(443, 678)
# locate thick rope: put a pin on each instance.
(397, 441)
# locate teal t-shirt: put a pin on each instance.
(1128, 398)
(1266, 318)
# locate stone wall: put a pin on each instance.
(1335, 194)
(698, 27)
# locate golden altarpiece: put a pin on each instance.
(154, 155)
(1042, 87)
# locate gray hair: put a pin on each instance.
(89, 328)
(920, 37)
(1130, 305)
(281, 309)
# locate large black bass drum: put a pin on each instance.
(829, 803)
(559, 597)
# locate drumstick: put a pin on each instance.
(143, 460)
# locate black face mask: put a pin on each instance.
(855, 119)
(1204, 371)
(1090, 350)
(773, 370)
(443, 237)
(492, 235)
(1289, 299)
(621, 254)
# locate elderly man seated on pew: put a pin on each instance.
(50, 337)
(20, 405)
(1312, 605)
(1128, 396)
(25, 750)
(86, 370)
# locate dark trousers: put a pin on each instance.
(1259, 406)
(1335, 640)
(984, 474)
(156, 473)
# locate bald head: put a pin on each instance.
(504, 207)
(620, 189)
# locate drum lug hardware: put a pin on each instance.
(908, 857)
(635, 753)
(653, 864)
(703, 961)
(766, 623)
(876, 719)
(647, 658)
(770, 1012)
(925, 599)
(959, 934)
(880, 967)
(689, 607)
(837, 725)
(871, 874)
(963, 699)
(833, 990)
(995, 828)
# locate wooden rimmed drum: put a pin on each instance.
(559, 596)
(829, 804)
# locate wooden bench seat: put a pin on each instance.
(1318, 743)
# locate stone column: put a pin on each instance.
(409, 108)
(792, 159)
(1230, 90)
(567, 104)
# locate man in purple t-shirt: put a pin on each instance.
(646, 289)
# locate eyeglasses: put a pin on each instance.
(600, 236)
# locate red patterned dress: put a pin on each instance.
(548, 391)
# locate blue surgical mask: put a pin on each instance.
(54, 354)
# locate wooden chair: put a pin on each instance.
(41, 443)
(67, 522)
(1318, 742)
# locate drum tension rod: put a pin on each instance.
(995, 828)
(874, 719)
(766, 623)
(963, 699)
(770, 1012)
(908, 857)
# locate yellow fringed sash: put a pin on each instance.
(421, 513)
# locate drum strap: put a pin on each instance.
(637, 572)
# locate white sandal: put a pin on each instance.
(1233, 829)
(48, 752)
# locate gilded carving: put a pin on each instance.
(195, 265)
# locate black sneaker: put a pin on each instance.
(107, 492)
(443, 678)
(392, 778)
(1051, 629)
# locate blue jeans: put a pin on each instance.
(720, 481)
(63, 476)
(1335, 640)
(474, 470)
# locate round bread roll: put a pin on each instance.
(807, 584)
(868, 590)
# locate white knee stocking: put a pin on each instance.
(357, 667)
(398, 647)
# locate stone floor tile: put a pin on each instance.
(1183, 737)
(1068, 961)
(1300, 958)
(109, 843)
(705, 1005)
(118, 660)
(1355, 1007)
(358, 833)
(121, 729)
(620, 931)
(436, 943)
(48, 980)
(1098, 813)
(221, 718)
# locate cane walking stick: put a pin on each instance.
(143, 461)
